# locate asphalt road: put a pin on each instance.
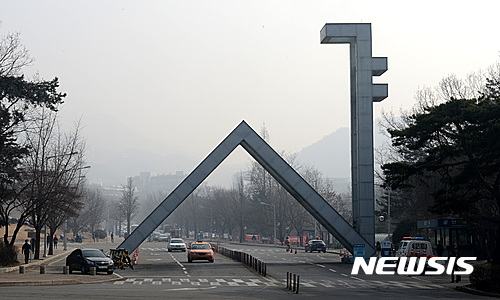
(160, 274)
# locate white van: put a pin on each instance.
(414, 246)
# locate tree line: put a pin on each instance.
(444, 157)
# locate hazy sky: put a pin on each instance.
(185, 73)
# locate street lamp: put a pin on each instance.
(274, 219)
(389, 215)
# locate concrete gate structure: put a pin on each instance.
(363, 93)
(275, 165)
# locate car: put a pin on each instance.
(83, 259)
(163, 237)
(176, 244)
(200, 251)
(315, 245)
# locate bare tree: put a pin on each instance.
(53, 169)
(129, 203)
(94, 209)
(17, 98)
(13, 55)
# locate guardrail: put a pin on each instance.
(255, 264)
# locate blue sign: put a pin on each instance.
(359, 250)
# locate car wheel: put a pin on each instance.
(190, 260)
(110, 272)
(211, 260)
(82, 269)
(169, 250)
(70, 270)
(324, 251)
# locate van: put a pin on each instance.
(414, 246)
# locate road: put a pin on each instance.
(161, 274)
(323, 275)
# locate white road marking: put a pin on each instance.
(191, 289)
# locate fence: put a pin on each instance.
(255, 264)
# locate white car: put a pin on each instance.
(163, 237)
(176, 244)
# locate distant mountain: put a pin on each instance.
(332, 154)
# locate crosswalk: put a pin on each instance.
(235, 282)
(198, 282)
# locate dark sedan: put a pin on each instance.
(315, 245)
(83, 259)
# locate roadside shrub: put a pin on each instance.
(486, 278)
(8, 255)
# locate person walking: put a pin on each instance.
(55, 241)
(440, 248)
(378, 248)
(26, 251)
(455, 253)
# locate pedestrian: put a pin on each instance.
(287, 243)
(55, 241)
(112, 238)
(455, 253)
(26, 251)
(378, 248)
(440, 248)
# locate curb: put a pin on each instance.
(468, 290)
(56, 282)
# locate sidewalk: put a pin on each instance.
(53, 274)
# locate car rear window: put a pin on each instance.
(200, 246)
(317, 242)
(92, 253)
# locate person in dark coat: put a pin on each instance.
(26, 251)
(455, 253)
(440, 248)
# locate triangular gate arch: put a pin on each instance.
(273, 163)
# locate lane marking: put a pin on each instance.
(191, 289)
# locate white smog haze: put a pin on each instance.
(175, 77)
